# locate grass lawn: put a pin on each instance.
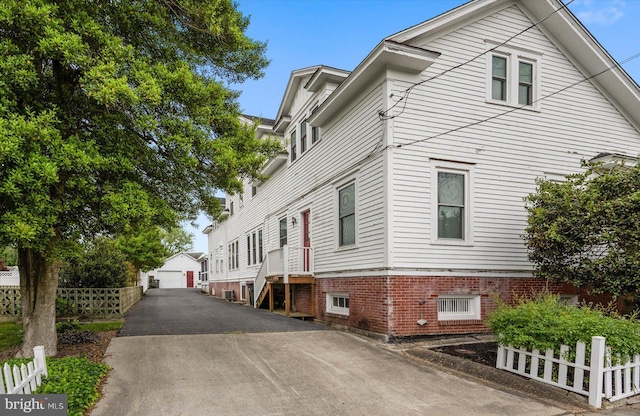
(102, 326)
(10, 335)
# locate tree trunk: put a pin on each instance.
(38, 287)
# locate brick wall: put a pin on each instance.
(218, 287)
(367, 302)
(301, 298)
(393, 305)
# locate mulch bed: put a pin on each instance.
(483, 352)
(93, 351)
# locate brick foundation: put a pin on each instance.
(218, 287)
(393, 305)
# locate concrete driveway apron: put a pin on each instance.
(271, 370)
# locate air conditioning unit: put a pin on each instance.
(227, 294)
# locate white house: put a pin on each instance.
(10, 277)
(178, 271)
(399, 206)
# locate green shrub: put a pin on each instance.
(102, 326)
(64, 326)
(78, 378)
(102, 265)
(81, 336)
(545, 322)
(62, 307)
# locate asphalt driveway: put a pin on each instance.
(227, 359)
(188, 312)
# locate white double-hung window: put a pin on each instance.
(451, 203)
(513, 76)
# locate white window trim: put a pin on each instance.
(468, 171)
(336, 309)
(252, 262)
(474, 314)
(338, 186)
(513, 56)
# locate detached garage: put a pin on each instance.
(179, 271)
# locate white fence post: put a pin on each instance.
(596, 371)
(24, 379)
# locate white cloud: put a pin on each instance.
(604, 13)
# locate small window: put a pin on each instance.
(499, 78)
(294, 142)
(458, 307)
(231, 208)
(234, 255)
(283, 232)
(525, 83)
(451, 205)
(452, 214)
(241, 199)
(254, 247)
(338, 303)
(303, 137)
(347, 215)
(569, 299)
(249, 250)
(254, 191)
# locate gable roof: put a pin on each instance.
(193, 256)
(556, 22)
(283, 118)
(562, 27)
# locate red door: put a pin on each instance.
(189, 279)
(306, 238)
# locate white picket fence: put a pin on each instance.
(26, 378)
(598, 378)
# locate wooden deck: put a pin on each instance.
(297, 315)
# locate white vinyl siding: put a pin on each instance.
(503, 157)
(508, 152)
(295, 188)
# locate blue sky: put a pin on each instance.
(340, 33)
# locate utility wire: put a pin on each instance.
(475, 123)
(405, 94)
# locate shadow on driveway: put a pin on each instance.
(189, 312)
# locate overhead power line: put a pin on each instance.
(384, 115)
(475, 123)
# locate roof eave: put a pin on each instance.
(387, 54)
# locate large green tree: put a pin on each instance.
(144, 248)
(177, 240)
(586, 231)
(115, 113)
